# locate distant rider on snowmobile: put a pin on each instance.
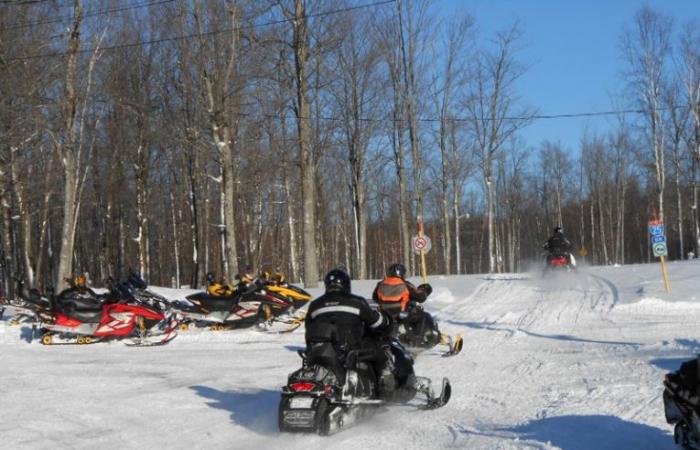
(338, 322)
(559, 245)
(396, 294)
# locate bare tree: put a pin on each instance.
(301, 48)
(646, 47)
(678, 115)
(690, 74)
(218, 71)
(71, 146)
(357, 61)
(450, 82)
(494, 115)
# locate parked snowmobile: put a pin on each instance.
(135, 290)
(29, 307)
(418, 330)
(140, 324)
(78, 315)
(249, 303)
(333, 392)
(682, 404)
(293, 294)
(276, 284)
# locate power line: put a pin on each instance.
(21, 2)
(461, 119)
(206, 34)
(87, 14)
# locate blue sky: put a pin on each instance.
(572, 49)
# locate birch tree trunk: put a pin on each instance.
(408, 58)
(308, 165)
(65, 259)
(218, 82)
(647, 47)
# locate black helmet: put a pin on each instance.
(396, 270)
(337, 280)
(558, 230)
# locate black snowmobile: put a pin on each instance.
(30, 306)
(330, 392)
(682, 404)
(226, 307)
(417, 329)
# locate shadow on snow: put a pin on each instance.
(254, 409)
(672, 364)
(558, 337)
(594, 432)
(669, 364)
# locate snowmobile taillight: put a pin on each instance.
(559, 261)
(302, 387)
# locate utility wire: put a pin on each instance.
(98, 12)
(21, 2)
(460, 119)
(208, 33)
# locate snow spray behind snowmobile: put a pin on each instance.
(330, 393)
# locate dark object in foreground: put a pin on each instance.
(682, 404)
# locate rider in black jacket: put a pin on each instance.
(338, 322)
(558, 244)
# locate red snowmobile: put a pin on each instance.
(78, 315)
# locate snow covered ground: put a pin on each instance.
(574, 363)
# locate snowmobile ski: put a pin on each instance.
(455, 346)
(290, 323)
(442, 399)
(168, 335)
(148, 343)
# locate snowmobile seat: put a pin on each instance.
(213, 302)
(81, 303)
(392, 308)
(323, 353)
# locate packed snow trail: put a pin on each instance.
(572, 362)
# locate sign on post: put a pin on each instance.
(660, 249)
(658, 246)
(658, 238)
(421, 243)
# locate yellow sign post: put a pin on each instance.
(665, 274)
(658, 246)
(421, 245)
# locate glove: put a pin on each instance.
(425, 287)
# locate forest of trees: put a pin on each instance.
(178, 137)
